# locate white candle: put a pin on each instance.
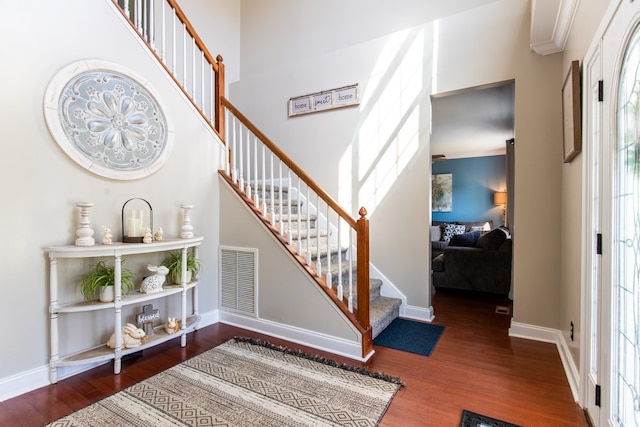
(134, 224)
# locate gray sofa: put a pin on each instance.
(438, 229)
(475, 261)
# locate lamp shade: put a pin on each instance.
(500, 198)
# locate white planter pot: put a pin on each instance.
(177, 280)
(107, 293)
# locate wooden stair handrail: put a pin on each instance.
(290, 163)
(361, 226)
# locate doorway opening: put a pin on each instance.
(472, 147)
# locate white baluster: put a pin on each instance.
(184, 56)
(318, 261)
(271, 213)
(263, 207)
(174, 43)
(163, 34)
(136, 14)
(308, 227)
(299, 245)
(227, 167)
(340, 289)
(289, 229)
(256, 202)
(202, 86)
(249, 189)
(329, 278)
(234, 160)
(193, 68)
(280, 196)
(126, 8)
(241, 156)
(211, 96)
(350, 300)
(152, 15)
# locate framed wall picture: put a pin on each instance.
(571, 114)
(442, 192)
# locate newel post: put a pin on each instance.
(219, 94)
(362, 229)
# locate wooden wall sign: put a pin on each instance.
(325, 100)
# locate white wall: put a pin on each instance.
(40, 184)
(389, 50)
(279, 279)
(217, 22)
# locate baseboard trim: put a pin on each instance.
(417, 313)
(554, 336)
(341, 347)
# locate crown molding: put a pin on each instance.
(551, 22)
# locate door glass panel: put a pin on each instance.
(626, 399)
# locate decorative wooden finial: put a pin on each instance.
(362, 212)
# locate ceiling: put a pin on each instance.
(472, 123)
(478, 121)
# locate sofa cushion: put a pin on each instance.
(466, 239)
(492, 240)
(437, 264)
(450, 230)
(507, 246)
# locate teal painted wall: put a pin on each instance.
(475, 179)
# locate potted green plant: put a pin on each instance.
(102, 278)
(173, 262)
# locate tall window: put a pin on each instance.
(626, 193)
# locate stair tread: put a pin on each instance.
(294, 217)
(303, 233)
(382, 311)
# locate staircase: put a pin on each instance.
(332, 257)
(251, 157)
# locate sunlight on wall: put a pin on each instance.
(434, 63)
(388, 136)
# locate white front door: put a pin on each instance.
(612, 207)
(592, 297)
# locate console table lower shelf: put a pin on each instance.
(103, 353)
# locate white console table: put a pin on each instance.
(117, 251)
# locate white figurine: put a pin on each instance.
(132, 336)
(172, 326)
(148, 238)
(158, 235)
(107, 237)
(152, 284)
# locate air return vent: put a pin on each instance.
(238, 281)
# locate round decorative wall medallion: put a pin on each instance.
(106, 120)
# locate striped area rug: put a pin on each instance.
(246, 383)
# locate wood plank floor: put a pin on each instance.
(475, 366)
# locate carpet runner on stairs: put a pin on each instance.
(382, 310)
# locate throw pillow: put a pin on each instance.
(468, 240)
(436, 233)
(492, 240)
(450, 230)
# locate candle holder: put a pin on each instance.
(187, 228)
(84, 231)
(137, 215)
